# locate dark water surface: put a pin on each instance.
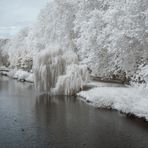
(30, 121)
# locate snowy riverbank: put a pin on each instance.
(129, 100)
(125, 99)
(17, 74)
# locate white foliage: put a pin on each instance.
(21, 75)
(3, 53)
(142, 75)
(58, 72)
(109, 36)
(19, 50)
(73, 80)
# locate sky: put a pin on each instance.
(17, 14)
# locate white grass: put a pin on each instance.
(127, 100)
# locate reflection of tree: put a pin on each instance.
(61, 116)
(49, 109)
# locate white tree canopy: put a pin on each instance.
(109, 36)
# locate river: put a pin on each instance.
(28, 120)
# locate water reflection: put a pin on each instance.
(66, 119)
(57, 109)
(30, 120)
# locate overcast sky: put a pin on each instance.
(16, 14)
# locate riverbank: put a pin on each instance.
(128, 100)
(18, 74)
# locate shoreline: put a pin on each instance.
(128, 115)
(17, 74)
(23, 78)
(130, 101)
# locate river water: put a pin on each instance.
(31, 121)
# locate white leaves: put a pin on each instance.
(110, 36)
(59, 73)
